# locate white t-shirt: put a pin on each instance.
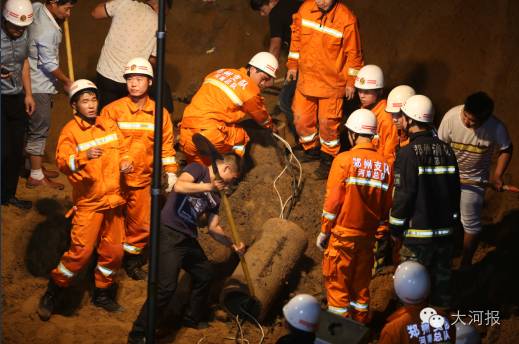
(473, 147)
(131, 34)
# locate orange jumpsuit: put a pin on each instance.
(226, 97)
(404, 326)
(326, 51)
(386, 143)
(357, 199)
(137, 126)
(97, 198)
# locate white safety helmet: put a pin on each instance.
(370, 77)
(81, 85)
(362, 121)
(266, 62)
(419, 108)
(466, 334)
(411, 282)
(397, 97)
(18, 12)
(138, 65)
(302, 312)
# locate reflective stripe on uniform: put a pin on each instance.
(366, 181)
(65, 271)
(396, 221)
(329, 216)
(331, 143)
(226, 89)
(360, 307)
(427, 233)
(105, 271)
(131, 249)
(72, 163)
(96, 142)
(353, 71)
(240, 148)
(136, 126)
(293, 55)
(170, 160)
(338, 310)
(308, 138)
(324, 29)
(436, 169)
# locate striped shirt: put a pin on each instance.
(473, 147)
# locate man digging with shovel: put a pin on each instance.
(194, 194)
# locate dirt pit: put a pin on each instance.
(444, 49)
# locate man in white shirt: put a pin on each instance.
(474, 134)
(131, 34)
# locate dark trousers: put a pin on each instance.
(178, 251)
(437, 258)
(110, 90)
(13, 126)
(286, 97)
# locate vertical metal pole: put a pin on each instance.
(156, 179)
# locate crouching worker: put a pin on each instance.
(194, 194)
(302, 319)
(415, 321)
(91, 153)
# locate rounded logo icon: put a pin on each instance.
(436, 321)
(426, 314)
(23, 18)
(133, 67)
(362, 81)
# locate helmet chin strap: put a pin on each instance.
(90, 120)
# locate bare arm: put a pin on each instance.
(186, 185)
(58, 73)
(503, 160)
(275, 46)
(216, 231)
(30, 105)
(99, 12)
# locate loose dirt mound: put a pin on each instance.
(445, 49)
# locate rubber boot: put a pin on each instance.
(48, 301)
(105, 298)
(310, 155)
(132, 265)
(324, 167)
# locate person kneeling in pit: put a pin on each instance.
(91, 153)
(194, 194)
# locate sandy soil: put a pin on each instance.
(445, 49)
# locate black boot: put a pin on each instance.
(312, 154)
(105, 298)
(48, 301)
(324, 167)
(132, 265)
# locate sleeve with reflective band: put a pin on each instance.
(255, 107)
(169, 162)
(335, 190)
(295, 41)
(353, 52)
(69, 158)
(404, 196)
(387, 140)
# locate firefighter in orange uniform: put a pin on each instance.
(415, 322)
(227, 97)
(369, 84)
(92, 154)
(325, 54)
(395, 100)
(357, 199)
(135, 116)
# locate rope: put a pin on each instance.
(240, 330)
(257, 323)
(295, 185)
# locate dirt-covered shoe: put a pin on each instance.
(33, 183)
(103, 298)
(309, 155)
(192, 323)
(136, 273)
(48, 301)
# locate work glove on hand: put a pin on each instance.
(322, 241)
(172, 179)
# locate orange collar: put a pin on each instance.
(149, 106)
(330, 13)
(368, 146)
(84, 124)
(406, 309)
